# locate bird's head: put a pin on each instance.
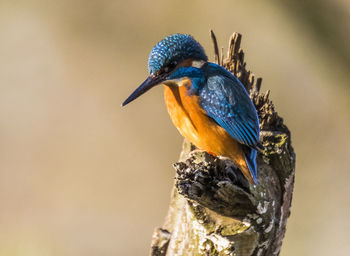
(167, 57)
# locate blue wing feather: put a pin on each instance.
(250, 157)
(225, 99)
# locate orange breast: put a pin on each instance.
(193, 123)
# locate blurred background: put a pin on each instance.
(79, 175)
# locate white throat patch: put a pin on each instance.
(197, 63)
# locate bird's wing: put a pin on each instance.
(225, 100)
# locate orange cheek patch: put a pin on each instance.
(186, 63)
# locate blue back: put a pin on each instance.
(226, 100)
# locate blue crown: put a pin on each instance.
(174, 49)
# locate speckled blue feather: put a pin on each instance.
(226, 100)
(174, 48)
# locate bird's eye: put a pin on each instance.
(170, 67)
(172, 64)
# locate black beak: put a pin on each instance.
(150, 82)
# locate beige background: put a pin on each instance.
(82, 176)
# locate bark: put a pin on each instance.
(213, 209)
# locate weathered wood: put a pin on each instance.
(213, 209)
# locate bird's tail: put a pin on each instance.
(250, 159)
(245, 158)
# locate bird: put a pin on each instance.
(208, 105)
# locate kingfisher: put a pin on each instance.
(208, 105)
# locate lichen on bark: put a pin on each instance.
(213, 210)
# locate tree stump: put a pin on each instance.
(213, 209)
